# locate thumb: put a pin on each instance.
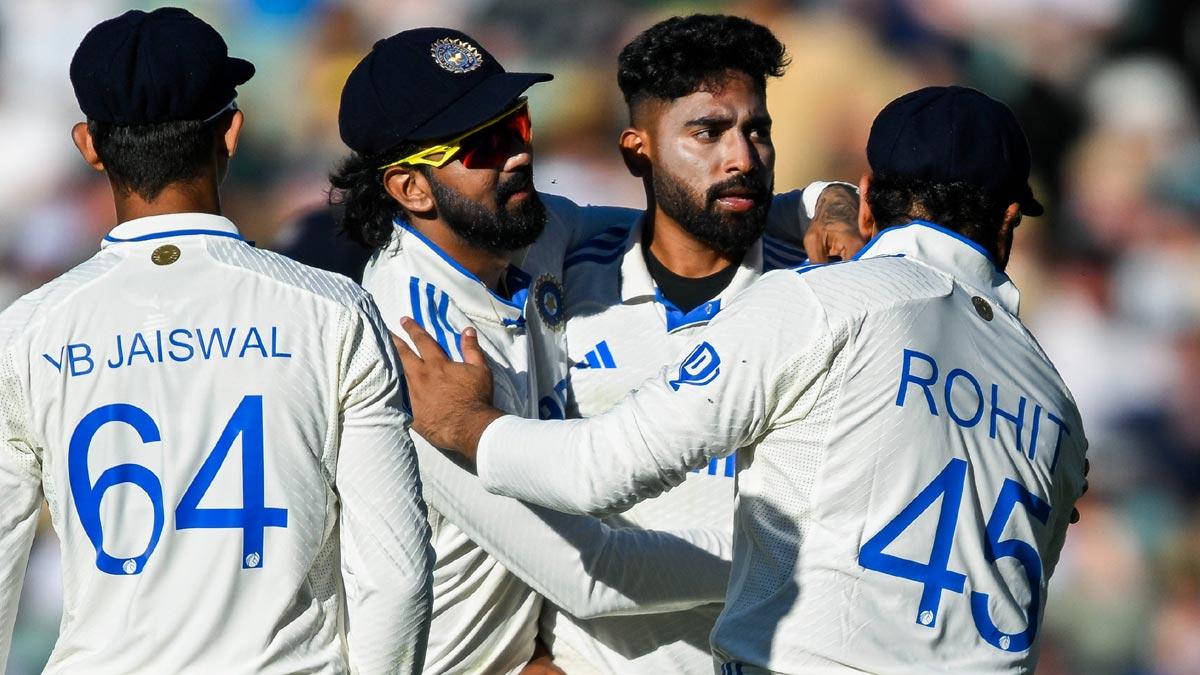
(471, 351)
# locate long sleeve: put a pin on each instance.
(578, 562)
(20, 494)
(387, 560)
(744, 371)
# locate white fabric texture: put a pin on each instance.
(184, 385)
(620, 332)
(497, 556)
(849, 391)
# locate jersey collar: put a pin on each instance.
(171, 225)
(948, 251)
(638, 286)
(473, 296)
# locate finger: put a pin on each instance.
(471, 351)
(425, 345)
(1074, 515)
(814, 244)
(847, 244)
(1085, 488)
(407, 356)
(1087, 466)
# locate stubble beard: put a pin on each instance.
(501, 230)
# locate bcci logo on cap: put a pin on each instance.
(548, 298)
(456, 56)
(702, 366)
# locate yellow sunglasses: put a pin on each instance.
(481, 150)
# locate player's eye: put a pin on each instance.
(760, 133)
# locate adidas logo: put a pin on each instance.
(598, 357)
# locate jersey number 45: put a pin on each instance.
(936, 576)
(252, 518)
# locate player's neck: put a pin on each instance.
(199, 196)
(488, 265)
(679, 251)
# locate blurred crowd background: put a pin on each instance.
(1106, 90)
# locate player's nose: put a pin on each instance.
(520, 158)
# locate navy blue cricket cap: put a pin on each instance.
(150, 67)
(421, 85)
(954, 134)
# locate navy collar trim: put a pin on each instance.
(516, 279)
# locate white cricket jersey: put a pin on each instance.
(219, 435)
(501, 555)
(910, 461)
(620, 331)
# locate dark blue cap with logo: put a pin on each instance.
(954, 134)
(424, 84)
(151, 67)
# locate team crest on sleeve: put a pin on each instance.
(548, 298)
(456, 56)
(702, 366)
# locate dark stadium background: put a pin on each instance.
(1106, 89)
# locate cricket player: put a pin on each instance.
(912, 458)
(217, 430)
(440, 183)
(699, 138)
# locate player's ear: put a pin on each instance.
(866, 219)
(83, 141)
(635, 149)
(229, 130)
(410, 188)
(1012, 218)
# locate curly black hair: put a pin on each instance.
(961, 207)
(679, 56)
(364, 209)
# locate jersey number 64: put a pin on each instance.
(252, 518)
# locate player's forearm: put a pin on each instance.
(388, 576)
(387, 559)
(578, 562)
(596, 466)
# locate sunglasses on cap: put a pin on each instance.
(487, 145)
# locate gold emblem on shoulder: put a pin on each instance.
(165, 254)
(982, 307)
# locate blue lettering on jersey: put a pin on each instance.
(177, 345)
(701, 367)
(553, 406)
(57, 364)
(79, 359)
(935, 576)
(967, 408)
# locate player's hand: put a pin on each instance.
(451, 402)
(542, 665)
(1087, 467)
(833, 232)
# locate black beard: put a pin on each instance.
(502, 230)
(727, 233)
